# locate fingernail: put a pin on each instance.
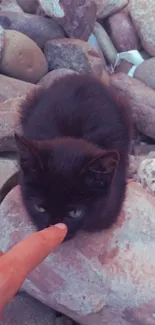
(60, 226)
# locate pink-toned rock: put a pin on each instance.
(106, 277)
(52, 76)
(7, 168)
(106, 8)
(39, 29)
(73, 54)
(122, 32)
(75, 16)
(29, 6)
(140, 99)
(9, 110)
(142, 13)
(146, 72)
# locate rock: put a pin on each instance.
(105, 43)
(73, 54)
(95, 278)
(124, 67)
(7, 168)
(106, 8)
(39, 29)
(139, 97)
(50, 77)
(10, 5)
(9, 115)
(24, 310)
(142, 13)
(2, 33)
(146, 174)
(146, 72)
(75, 16)
(19, 58)
(122, 32)
(92, 40)
(11, 88)
(29, 6)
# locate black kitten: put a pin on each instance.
(74, 155)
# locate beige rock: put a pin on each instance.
(105, 43)
(139, 97)
(22, 58)
(142, 13)
(10, 5)
(73, 54)
(146, 72)
(99, 278)
(76, 17)
(50, 77)
(122, 32)
(146, 174)
(106, 8)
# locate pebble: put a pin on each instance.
(139, 98)
(106, 8)
(105, 42)
(122, 32)
(39, 29)
(142, 13)
(146, 174)
(29, 6)
(52, 76)
(145, 72)
(22, 58)
(73, 54)
(76, 17)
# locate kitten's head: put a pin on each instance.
(62, 179)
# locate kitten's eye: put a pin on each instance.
(39, 208)
(75, 213)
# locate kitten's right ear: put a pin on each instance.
(28, 154)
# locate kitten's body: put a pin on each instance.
(74, 154)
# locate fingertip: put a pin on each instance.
(61, 226)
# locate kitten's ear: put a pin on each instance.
(28, 154)
(100, 171)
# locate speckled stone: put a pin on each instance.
(95, 278)
(146, 72)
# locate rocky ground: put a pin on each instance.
(41, 40)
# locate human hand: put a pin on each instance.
(21, 259)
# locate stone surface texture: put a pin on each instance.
(10, 5)
(106, 8)
(122, 32)
(146, 174)
(77, 17)
(22, 58)
(50, 77)
(142, 13)
(145, 72)
(7, 169)
(29, 6)
(39, 29)
(105, 42)
(73, 54)
(140, 99)
(102, 278)
(25, 310)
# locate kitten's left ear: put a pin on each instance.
(100, 171)
(28, 154)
